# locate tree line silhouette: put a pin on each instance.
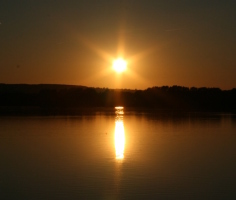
(61, 97)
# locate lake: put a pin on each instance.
(118, 155)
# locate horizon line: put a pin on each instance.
(61, 84)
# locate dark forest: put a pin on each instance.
(24, 98)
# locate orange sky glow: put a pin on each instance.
(75, 43)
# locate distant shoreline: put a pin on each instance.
(46, 99)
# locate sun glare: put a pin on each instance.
(119, 65)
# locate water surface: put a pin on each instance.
(119, 155)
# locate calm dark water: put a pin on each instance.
(122, 155)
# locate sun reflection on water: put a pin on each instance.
(119, 133)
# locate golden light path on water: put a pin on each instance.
(119, 133)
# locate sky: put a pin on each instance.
(188, 43)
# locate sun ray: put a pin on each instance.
(136, 77)
(121, 44)
(97, 76)
(100, 52)
(140, 55)
(117, 64)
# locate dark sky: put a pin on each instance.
(166, 42)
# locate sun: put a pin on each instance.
(119, 65)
